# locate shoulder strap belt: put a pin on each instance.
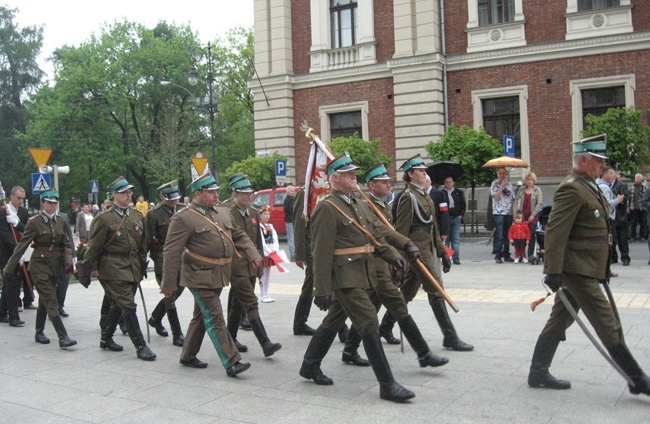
(214, 224)
(355, 223)
(354, 250)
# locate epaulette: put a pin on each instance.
(158, 206)
(183, 208)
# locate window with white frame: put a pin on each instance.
(343, 120)
(597, 4)
(597, 18)
(344, 23)
(495, 24)
(595, 95)
(492, 12)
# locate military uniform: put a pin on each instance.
(242, 296)
(52, 257)
(10, 298)
(344, 272)
(198, 253)
(116, 248)
(302, 246)
(576, 249)
(156, 224)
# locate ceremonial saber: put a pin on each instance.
(146, 315)
(310, 134)
(591, 338)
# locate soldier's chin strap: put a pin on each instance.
(590, 336)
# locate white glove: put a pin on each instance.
(13, 220)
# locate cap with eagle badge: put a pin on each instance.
(342, 163)
(120, 185)
(595, 146)
(416, 162)
(204, 182)
(239, 183)
(377, 172)
(170, 190)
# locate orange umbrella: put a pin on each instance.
(505, 162)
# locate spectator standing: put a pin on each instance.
(604, 183)
(528, 202)
(82, 226)
(621, 224)
(270, 245)
(142, 205)
(637, 209)
(288, 219)
(457, 207)
(519, 236)
(503, 196)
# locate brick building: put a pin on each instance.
(402, 71)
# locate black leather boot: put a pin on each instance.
(300, 327)
(386, 329)
(538, 375)
(350, 351)
(451, 340)
(156, 319)
(622, 356)
(343, 333)
(233, 329)
(110, 320)
(268, 347)
(143, 351)
(319, 345)
(177, 334)
(419, 345)
(64, 340)
(389, 389)
(238, 368)
(41, 317)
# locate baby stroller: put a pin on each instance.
(540, 230)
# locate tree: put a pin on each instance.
(19, 76)
(627, 138)
(471, 149)
(364, 153)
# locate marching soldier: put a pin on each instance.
(51, 258)
(156, 223)
(116, 252)
(385, 291)
(201, 242)
(344, 242)
(242, 294)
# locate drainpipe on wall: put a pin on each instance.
(444, 63)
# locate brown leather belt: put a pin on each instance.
(354, 250)
(132, 254)
(214, 261)
(47, 248)
(592, 239)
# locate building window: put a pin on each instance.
(597, 4)
(344, 18)
(492, 12)
(596, 101)
(346, 124)
(501, 117)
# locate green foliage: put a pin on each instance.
(260, 171)
(471, 149)
(364, 153)
(627, 138)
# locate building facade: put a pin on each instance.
(404, 70)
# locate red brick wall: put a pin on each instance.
(381, 120)
(549, 105)
(641, 15)
(384, 33)
(455, 25)
(545, 21)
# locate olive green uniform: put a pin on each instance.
(193, 235)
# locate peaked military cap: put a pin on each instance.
(204, 182)
(239, 183)
(50, 196)
(120, 185)
(170, 190)
(595, 146)
(416, 162)
(342, 163)
(377, 172)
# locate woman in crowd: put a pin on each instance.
(528, 202)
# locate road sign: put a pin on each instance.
(94, 186)
(280, 180)
(40, 156)
(280, 168)
(199, 162)
(41, 182)
(509, 145)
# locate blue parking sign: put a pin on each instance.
(280, 168)
(509, 145)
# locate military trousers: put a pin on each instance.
(354, 303)
(242, 297)
(121, 294)
(46, 286)
(584, 293)
(208, 317)
(415, 277)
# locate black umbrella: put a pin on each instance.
(441, 169)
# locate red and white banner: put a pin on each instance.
(317, 184)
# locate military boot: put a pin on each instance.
(319, 344)
(539, 376)
(268, 347)
(426, 358)
(300, 327)
(41, 317)
(389, 389)
(177, 334)
(111, 319)
(233, 329)
(64, 340)
(143, 351)
(386, 329)
(451, 340)
(156, 319)
(622, 356)
(351, 350)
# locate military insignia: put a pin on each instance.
(596, 214)
(119, 233)
(253, 221)
(570, 180)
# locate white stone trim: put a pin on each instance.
(492, 37)
(325, 111)
(597, 23)
(518, 90)
(575, 90)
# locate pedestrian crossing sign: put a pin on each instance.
(41, 182)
